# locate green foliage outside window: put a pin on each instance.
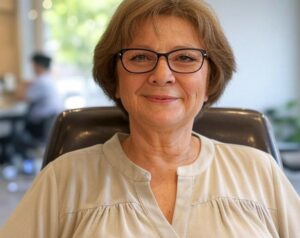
(286, 121)
(75, 26)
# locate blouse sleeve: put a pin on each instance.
(288, 204)
(37, 214)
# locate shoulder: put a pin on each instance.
(76, 174)
(89, 160)
(81, 159)
(234, 153)
(242, 163)
(241, 154)
(243, 172)
(76, 168)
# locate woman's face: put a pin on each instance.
(162, 98)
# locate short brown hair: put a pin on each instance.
(123, 25)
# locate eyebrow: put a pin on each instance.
(173, 48)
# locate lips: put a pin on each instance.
(161, 98)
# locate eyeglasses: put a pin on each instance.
(139, 61)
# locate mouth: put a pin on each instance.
(161, 98)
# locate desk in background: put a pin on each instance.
(11, 111)
(12, 114)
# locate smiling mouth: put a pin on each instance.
(161, 98)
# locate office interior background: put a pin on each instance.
(264, 34)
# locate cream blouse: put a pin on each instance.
(229, 191)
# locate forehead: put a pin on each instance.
(164, 27)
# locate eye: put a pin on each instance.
(139, 58)
(185, 58)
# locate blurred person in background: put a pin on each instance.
(44, 104)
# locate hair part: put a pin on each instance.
(125, 22)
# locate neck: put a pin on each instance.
(161, 151)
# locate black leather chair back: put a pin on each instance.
(78, 128)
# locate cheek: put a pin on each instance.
(201, 92)
(127, 84)
(200, 87)
(203, 83)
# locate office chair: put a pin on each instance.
(78, 128)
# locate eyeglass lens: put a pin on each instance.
(182, 61)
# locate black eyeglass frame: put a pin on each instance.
(202, 51)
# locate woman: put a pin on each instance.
(161, 61)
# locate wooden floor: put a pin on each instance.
(10, 198)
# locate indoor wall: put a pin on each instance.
(265, 36)
(9, 56)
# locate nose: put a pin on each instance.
(162, 74)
